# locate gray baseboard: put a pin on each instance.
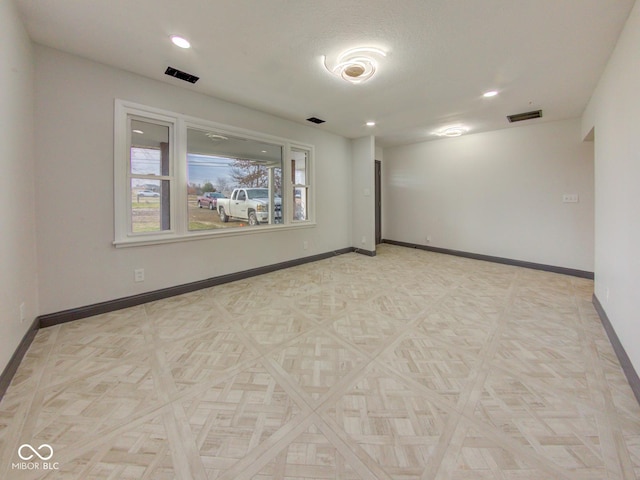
(14, 362)
(65, 316)
(623, 358)
(488, 258)
(118, 304)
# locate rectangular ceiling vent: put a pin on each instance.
(315, 120)
(519, 117)
(187, 77)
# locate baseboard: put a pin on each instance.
(112, 305)
(14, 362)
(488, 258)
(362, 251)
(65, 316)
(623, 358)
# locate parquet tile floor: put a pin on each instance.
(407, 365)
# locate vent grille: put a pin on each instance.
(519, 117)
(187, 77)
(315, 120)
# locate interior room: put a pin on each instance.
(319, 240)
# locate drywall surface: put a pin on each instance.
(363, 193)
(18, 275)
(497, 193)
(613, 110)
(78, 265)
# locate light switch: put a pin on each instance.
(570, 198)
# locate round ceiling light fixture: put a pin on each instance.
(452, 131)
(491, 93)
(179, 41)
(216, 137)
(356, 65)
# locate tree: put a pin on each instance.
(223, 186)
(208, 187)
(246, 173)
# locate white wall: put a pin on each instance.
(18, 275)
(613, 110)
(74, 172)
(496, 193)
(363, 193)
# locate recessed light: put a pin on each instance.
(179, 41)
(140, 132)
(371, 124)
(491, 93)
(263, 151)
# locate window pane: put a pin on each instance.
(300, 203)
(298, 167)
(149, 205)
(149, 149)
(300, 179)
(218, 164)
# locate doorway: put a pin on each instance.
(378, 200)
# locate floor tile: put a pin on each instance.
(407, 365)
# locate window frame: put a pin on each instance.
(179, 210)
(308, 185)
(171, 178)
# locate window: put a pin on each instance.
(221, 163)
(300, 183)
(178, 178)
(150, 176)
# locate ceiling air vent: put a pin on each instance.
(519, 117)
(315, 120)
(187, 77)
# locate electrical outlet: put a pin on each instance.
(305, 245)
(428, 238)
(364, 239)
(23, 309)
(138, 274)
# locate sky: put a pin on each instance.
(202, 169)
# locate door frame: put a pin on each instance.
(378, 200)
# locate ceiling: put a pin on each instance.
(442, 55)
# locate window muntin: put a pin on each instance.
(154, 195)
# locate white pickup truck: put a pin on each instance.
(250, 204)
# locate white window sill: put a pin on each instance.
(159, 239)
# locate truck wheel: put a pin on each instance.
(211, 206)
(223, 216)
(199, 204)
(253, 220)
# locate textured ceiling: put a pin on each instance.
(442, 55)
